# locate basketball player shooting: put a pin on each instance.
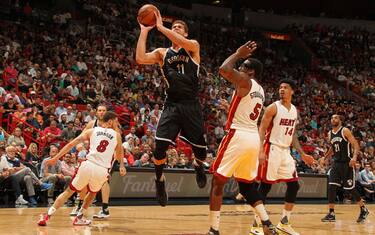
(277, 133)
(92, 173)
(182, 110)
(238, 151)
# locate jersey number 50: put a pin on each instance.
(102, 146)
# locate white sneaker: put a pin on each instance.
(81, 221)
(21, 201)
(256, 230)
(286, 228)
(102, 215)
(74, 212)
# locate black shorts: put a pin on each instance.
(342, 174)
(183, 118)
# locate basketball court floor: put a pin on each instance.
(182, 220)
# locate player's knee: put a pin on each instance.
(291, 191)
(250, 193)
(160, 149)
(264, 189)
(200, 152)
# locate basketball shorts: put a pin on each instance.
(237, 156)
(341, 174)
(279, 165)
(91, 175)
(184, 118)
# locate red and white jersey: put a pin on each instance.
(244, 111)
(281, 131)
(103, 142)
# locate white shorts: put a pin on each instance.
(91, 175)
(279, 165)
(237, 156)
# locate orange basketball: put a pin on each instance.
(146, 15)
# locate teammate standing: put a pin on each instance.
(92, 173)
(277, 133)
(182, 110)
(237, 153)
(342, 172)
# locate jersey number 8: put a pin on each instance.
(102, 146)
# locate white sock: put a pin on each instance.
(215, 219)
(256, 216)
(51, 211)
(261, 211)
(287, 214)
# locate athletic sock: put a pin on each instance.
(261, 211)
(215, 219)
(286, 214)
(331, 211)
(51, 211)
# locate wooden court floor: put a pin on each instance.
(182, 220)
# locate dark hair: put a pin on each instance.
(183, 23)
(102, 105)
(341, 116)
(109, 115)
(254, 64)
(290, 82)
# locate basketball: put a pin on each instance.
(146, 15)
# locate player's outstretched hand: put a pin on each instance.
(122, 171)
(145, 28)
(247, 49)
(159, 19)
(309, 160)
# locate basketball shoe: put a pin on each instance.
(43, 220)
(363, 215)
(213, 232)
(256, 229)
(81, 221)
(330, 217)
(103, 214)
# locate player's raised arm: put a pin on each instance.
(353, 141)
(227, 69)
(85, 135)
(267, 118)
(178, 39)
(154, 57)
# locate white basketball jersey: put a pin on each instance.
(283, 126)
(103, 142)
(244, 111)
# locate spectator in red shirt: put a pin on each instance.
(52, 133)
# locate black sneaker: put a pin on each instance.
(213, 232)
(161, 194)
(200, 176)
(270, 230)
(363, 215)
(330, 217)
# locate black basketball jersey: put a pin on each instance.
(181, 75)
(341, 146)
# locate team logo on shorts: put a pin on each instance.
(350, 182)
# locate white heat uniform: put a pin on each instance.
(238, 151)
(279, 164)
(93, 172)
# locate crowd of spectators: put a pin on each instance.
(63, 73)
(348, 55)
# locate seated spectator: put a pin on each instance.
(68, 165)
(131, 134)
(148, 137)
(52, 133)
(63, 122)
(91, 116)
(32, 155)
(22, 174)
(69, 132)
(143, 162)
(16, 137)
(367, 179)
(60, 109)
(53, 174)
